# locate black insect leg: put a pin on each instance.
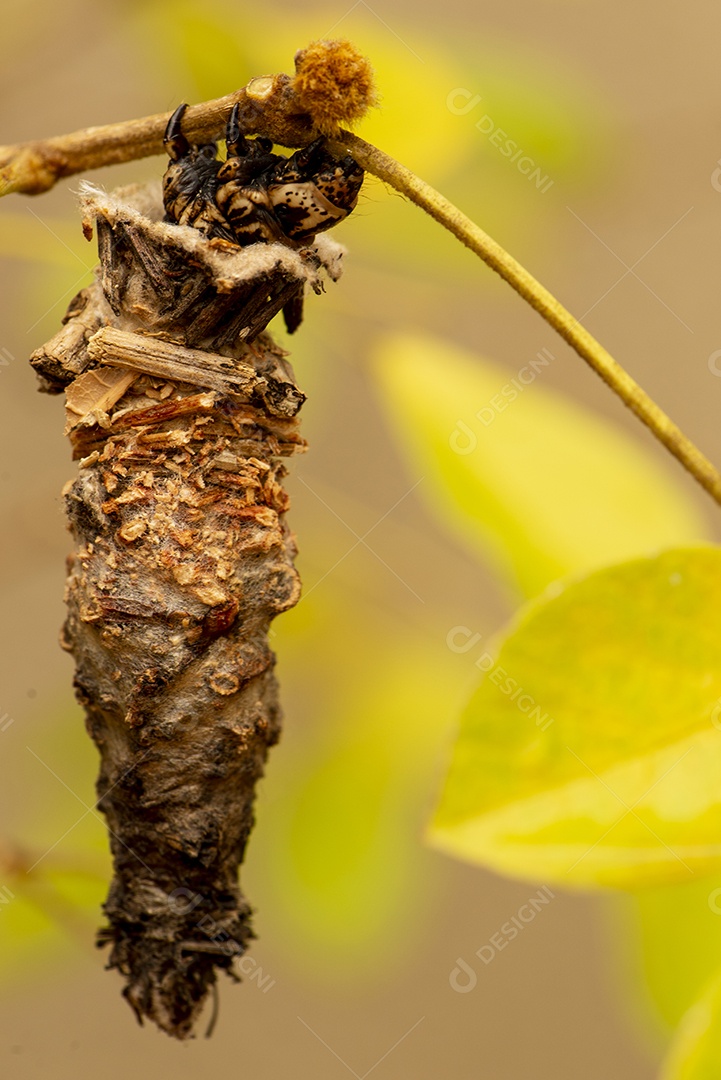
(248, 159)
(235, 141)
(238, 144)
(310, 157)
(175, 143)
(293, 312)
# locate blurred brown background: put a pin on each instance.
(359, 964)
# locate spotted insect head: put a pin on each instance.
(256, 195)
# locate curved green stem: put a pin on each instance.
(407, 183)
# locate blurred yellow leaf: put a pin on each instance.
(526, 478)
(591, 751)
(696, 1050)
(347, 879)
(48, 913)
(671, 968)
(532, 115)
(37, 238)
(55, 865)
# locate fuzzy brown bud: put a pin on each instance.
(334, 84)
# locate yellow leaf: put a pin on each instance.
(338, 867)
(696, 1050)
(591, 751)
(525, 477)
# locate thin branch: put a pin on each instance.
(270, 106)
(407, 183)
